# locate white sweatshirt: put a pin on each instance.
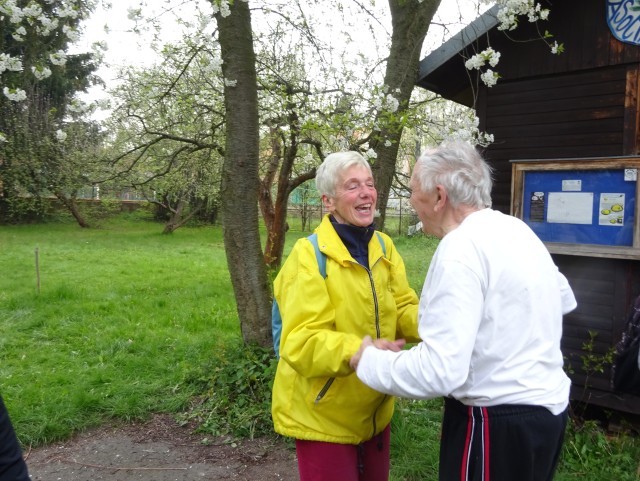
(491, 321)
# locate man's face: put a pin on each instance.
(355, 199)
(424, 203)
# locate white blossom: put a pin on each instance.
(489, 55)
(58, 58)
(17, 95)
(48, 25)
(77, 106)
(490, 78)
(370, 154)
(475, 62)
(221, 6)
(225, 11)
(510, 10)
(61, 136)
(391, 103)
(72, 34)
(7, 62)
(68, 11)
(19, 34)
(41, 73)
(3, 138)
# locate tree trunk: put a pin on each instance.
(71, 204)
(274, 212)
(240, 180)
(410, 23)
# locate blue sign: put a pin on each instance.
(581, 206)
(623, 17)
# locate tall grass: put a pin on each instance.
(124, 317)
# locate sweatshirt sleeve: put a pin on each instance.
(309, 343)
(440, 363)
(569, 302)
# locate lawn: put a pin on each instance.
(126, 321)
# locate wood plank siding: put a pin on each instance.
(581, 104)
(578, 114)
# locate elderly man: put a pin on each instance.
(490, 320)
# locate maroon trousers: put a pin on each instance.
(320, 461)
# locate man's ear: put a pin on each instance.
(442, 197)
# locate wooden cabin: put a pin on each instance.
(564, 126)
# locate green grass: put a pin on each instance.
(124, 317)
(129, 322)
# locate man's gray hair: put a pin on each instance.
(460, 168)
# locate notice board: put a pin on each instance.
(580, 206)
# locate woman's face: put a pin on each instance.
(355, 199)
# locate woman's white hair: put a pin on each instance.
(460, 168)
(329, 172)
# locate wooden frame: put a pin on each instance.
(521, 167)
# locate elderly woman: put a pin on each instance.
(340, 425)
(491, 319)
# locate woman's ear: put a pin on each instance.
(328, 203)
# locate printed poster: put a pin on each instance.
(611, 211)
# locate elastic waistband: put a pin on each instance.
(499, 410)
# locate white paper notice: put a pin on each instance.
(571, 185)
(570, 208)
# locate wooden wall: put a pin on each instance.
(578, 105)
(583, 103)
(574, 115)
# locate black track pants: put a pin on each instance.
(500, 443)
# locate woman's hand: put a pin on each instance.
(383, 344)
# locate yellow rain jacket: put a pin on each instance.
(316, 395)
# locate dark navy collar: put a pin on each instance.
(356, 239)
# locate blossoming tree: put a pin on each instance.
(38, 80)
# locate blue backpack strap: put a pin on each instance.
(320, 257)
(276, 326)
(384, 247)
(276, 318)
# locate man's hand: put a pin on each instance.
(384, 344)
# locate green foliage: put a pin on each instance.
(415, 440)
(591, 454)
(237, 400)
(592, 362)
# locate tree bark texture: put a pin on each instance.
(410, 23)
(240, 180)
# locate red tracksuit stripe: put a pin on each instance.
(485, 424)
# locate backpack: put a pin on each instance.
(276, 318)
(625, 371)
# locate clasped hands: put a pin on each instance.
(384, 344)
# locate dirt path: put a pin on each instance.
(159, 450)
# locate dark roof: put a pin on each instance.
(443, 70)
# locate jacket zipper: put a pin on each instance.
(375, 303)
(375, 415)
(328, 384)
(324, 390)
